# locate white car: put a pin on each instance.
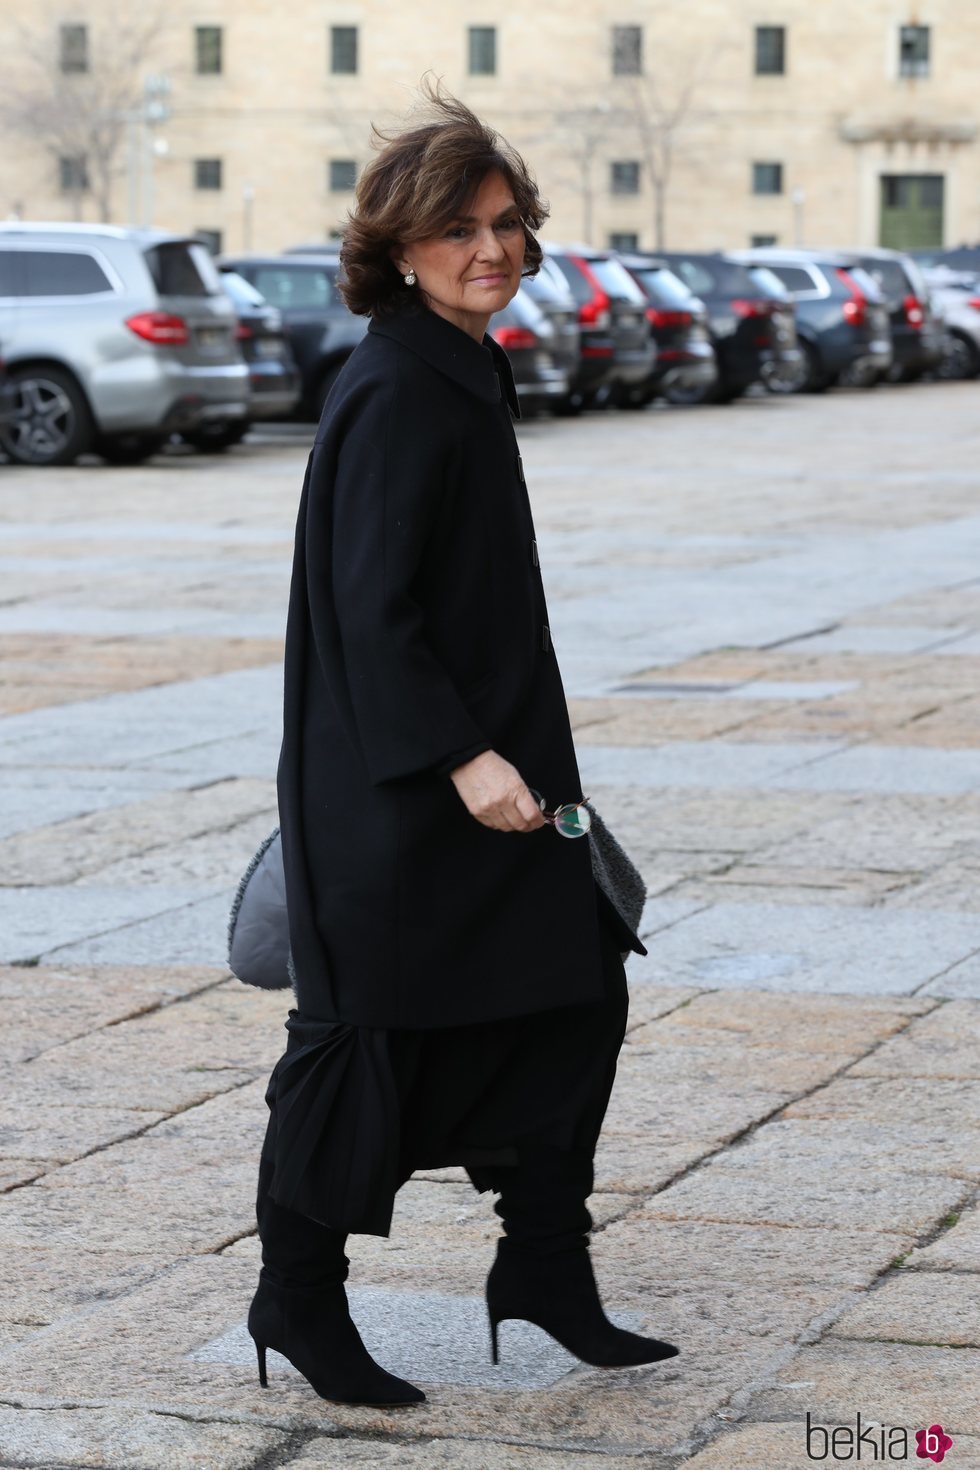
(956, 301)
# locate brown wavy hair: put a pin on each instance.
(421, 180)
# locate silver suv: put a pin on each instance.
(113, 339)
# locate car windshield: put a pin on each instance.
(708, 276)
(769, 284)
(549, 286)
(891, 276)
(242, 292)
(579, 284)
(662, 286)
(296, 287)
(183, 268)
(865, 283)
(615, 279)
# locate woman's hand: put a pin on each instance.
(494, 792)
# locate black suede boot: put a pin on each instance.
(300, 1309)
(313, 1329)
(543, 1272)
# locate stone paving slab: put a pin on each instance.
(917, 1307)
(65, 851)
(44, 1007)
(956, 1249)
(184, 934)
(448, 1454)
(811, 948)
(129, 1440)
(781, 1446)
(45, 921)
(893, 1383)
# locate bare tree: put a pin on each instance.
(660, 105)
(82, 115)
(586, 134)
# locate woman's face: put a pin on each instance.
(473, 267)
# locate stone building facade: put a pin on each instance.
(679, 122)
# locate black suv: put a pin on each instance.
(753, 331)
(916, 335)
(616, 353)
(841, 316)
(320, 330)
(678, 320)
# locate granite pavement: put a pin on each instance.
(768, 620)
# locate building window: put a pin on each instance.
(207, 50)
(73, 174)
(767, 178)
(73, 48)
(211, 239)
(770, 51)
(624, 240)
(343, 50)
(624, 177)
(913, 51)
(342, 174)
(483, 51)
(627, 51)
(759, 242)
(207, 173)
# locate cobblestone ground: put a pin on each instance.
(768, 617)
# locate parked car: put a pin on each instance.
(274, 385)
(842, 320)
(916, 336)
(528, 337)
(679, 325)
(955, 298)
(320, 330)
(953, 257)
(753, 332)
(114, 339)
(616, 352)
(551, 293)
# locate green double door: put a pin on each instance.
(911, 211)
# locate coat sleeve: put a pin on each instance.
(375, 494)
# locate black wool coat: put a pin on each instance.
(417, 637)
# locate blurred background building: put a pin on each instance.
(712, 123)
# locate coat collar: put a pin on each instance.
(482, 369)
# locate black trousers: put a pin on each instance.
(507, 1100)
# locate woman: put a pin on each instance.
(460, 993)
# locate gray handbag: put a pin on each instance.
(258, 929)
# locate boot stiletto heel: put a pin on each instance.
(313, 1329)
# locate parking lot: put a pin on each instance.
(767, 615)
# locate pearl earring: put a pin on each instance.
(411, 278)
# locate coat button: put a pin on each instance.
(534, 554)
(520, 469)
(546, 638)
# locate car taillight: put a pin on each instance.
(243, 332)
(974, 301)
(914, 314)
(659, 318)
(511, 337)
(160, 328)
(855, 309)
(744, 308)
(595, 313)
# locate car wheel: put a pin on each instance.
(960, 359)
(689, 394)
(569, 407)
(123, 449)
(217, 439)
(46, 420)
